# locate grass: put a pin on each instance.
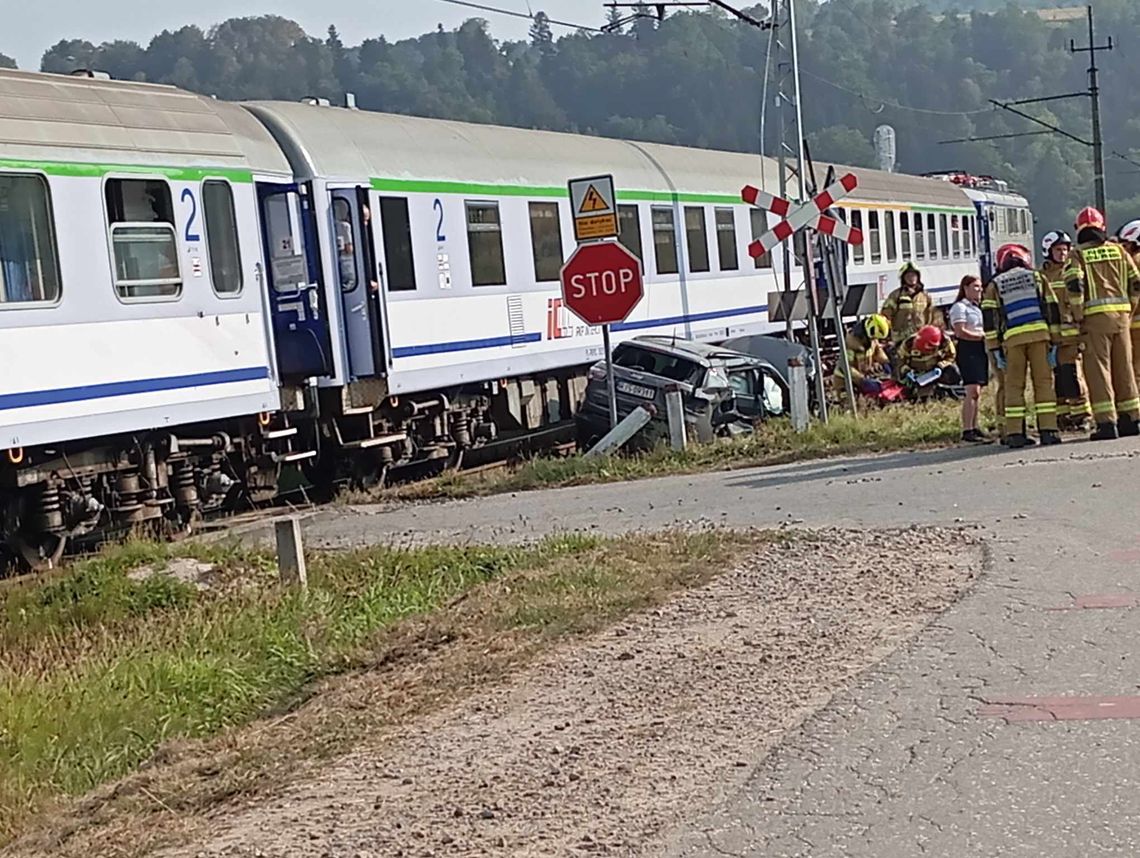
(105, 677)
(912, 427)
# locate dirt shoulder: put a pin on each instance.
(605, 744)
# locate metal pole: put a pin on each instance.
(836, 275)
(1098, 142)
(610, 376)
(813, 331)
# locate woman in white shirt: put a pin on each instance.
(973, 363)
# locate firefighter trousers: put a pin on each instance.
(1135, 337)
(999, 396)
(1072, 395)
(1108, 367)
(1031, 358)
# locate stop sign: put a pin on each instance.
(601, 283)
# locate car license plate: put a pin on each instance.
(636, 390)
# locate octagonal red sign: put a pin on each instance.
(601, 283)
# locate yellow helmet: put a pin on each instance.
(877, 327)
(907, 267)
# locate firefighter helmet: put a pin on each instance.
(907, 267)
(1131, 232)
(927, 340)
(1057, 236)
(876, 327)
(1013, 256)
(1090, 218)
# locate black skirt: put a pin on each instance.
(973, 362)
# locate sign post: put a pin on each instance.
(811, 215)
(601, 281)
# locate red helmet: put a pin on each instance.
(928, 339)
(1013, 255)
(1090, 217)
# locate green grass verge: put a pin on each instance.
(100, 671)
(881, 430)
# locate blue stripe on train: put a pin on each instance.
(62, 395)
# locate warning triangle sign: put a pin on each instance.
(593, 202)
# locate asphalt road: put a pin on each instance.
(935, 751)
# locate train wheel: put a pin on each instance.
(41, 553)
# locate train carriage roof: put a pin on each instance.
(65, 119)
(341, 144)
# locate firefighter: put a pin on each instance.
(1073, 410)
(1017, 322)
(1102, 282)
(865, 354)
(927, 349)
(908, 307)
(1130, 239)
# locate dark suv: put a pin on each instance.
(723, 391)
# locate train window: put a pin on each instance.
(875, 236)
(546, 241)
(697, 239)
(919, 238)
(485, 245)
(629, 222)
(726, 240)
(222, 237)
(955, 235)
(29, 261)
(932, 237)
(944, 235)
(664, 240)
(759, 223)
(889, 233)
(400, 262)
(857, 254)
(141, 216)
(904, 234)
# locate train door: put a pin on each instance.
(986, 247)
(296, 300)
(358, 278)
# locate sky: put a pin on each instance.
(30, 28)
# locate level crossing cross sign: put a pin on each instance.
(810, 214)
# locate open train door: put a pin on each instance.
(359, 280)
(296, 299)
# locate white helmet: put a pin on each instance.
(1131, 231)
(1057, 236)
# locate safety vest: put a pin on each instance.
(1015, 298)
(1098, 278)
(907, 312)
(1069, 329)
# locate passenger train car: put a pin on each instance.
(194, 294)
(1003, 216)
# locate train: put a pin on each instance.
(200, 299)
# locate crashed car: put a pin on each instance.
(724, 392)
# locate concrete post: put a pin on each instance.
(675, 411)
(797, 379)
(617, 437)
(291, 554)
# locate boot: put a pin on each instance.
(1049, 437)
(1104, 432)
(1127, 426)
(1016, 442)
(1081, 423)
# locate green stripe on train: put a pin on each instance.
(98, 171)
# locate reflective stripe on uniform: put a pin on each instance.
(1015, 411)
(1045, 408)
(1030, 328)
(1111, 304)
(1129, 405)
(1102, 408)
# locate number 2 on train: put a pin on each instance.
(191, 235)
(439, 236)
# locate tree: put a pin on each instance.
(541, 35)
(614, 18)
(839, 144)
(6, 62)
(68, 55)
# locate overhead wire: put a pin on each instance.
(893, 104)
(512, 13)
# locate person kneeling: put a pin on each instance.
(919, 355)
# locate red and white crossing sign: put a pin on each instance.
(810, 214)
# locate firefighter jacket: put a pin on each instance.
(865, 355)
(1136, 300)
(1063, 324)
(907, 311)
(1101, 278)
(1014, 310)
(909, 359)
